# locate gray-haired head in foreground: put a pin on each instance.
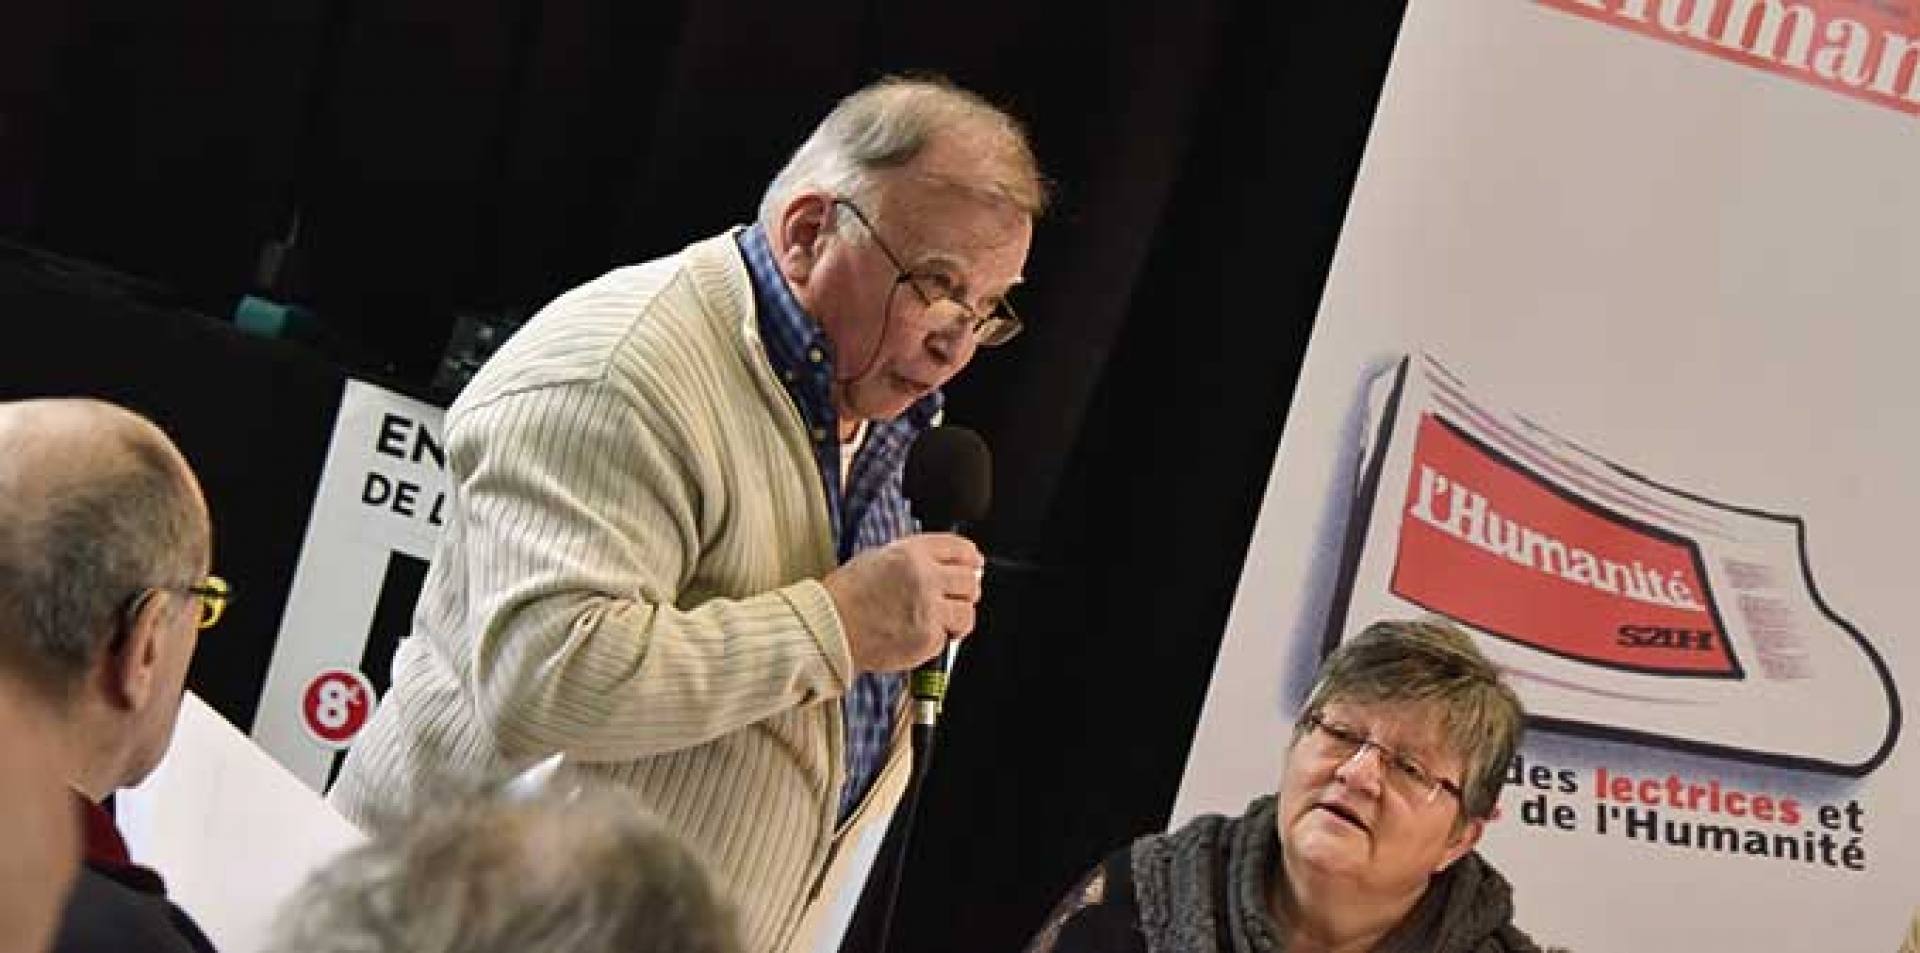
(1433, 665)
(885, 125)
(590, 872)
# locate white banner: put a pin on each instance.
(1612, 369)
(381, 496)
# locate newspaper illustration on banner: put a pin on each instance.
(1619, 607)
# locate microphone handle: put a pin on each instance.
(928, 684)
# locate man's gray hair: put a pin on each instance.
(1431, 663)
(76, 553)
(887, 124)
(587, 872)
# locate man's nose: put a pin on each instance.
(952, 343)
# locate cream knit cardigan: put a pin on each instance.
(628, 575)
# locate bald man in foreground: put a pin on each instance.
(105, 547)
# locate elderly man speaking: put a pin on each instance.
(677, 550)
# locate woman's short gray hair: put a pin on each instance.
(1432, 664)
(887, 124)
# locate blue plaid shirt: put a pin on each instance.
(872, 511)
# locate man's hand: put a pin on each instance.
(901, 602)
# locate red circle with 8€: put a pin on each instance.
(335, 706)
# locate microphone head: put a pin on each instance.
(949, 478)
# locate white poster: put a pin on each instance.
(1612, 369)
(376, 516)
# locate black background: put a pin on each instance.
(468, 155)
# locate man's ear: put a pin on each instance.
(800, 233)
(1464, 838)
(132, 671)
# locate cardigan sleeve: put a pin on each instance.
(579, 526)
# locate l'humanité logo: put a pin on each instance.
(1491, 545)
(1865, 49)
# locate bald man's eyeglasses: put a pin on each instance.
(212, 593)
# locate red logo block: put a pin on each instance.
(335, 706)
(1486, 542)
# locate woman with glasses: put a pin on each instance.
(1392, 772)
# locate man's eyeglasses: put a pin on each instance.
(1344, 743)
(212, 593)
(998, 326)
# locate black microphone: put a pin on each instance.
(949, 486)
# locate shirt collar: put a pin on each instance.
(104, 843)
(792, 337)
(106, 849)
